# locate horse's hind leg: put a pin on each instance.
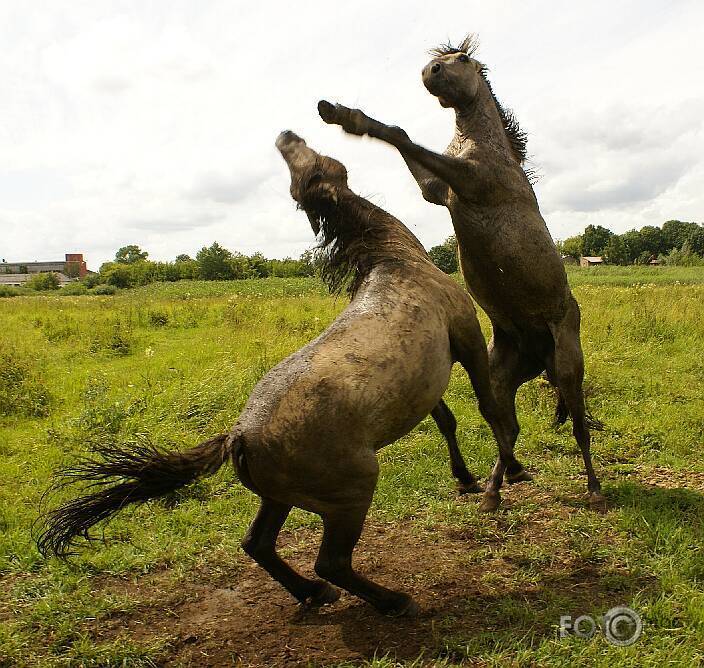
(566, 367)
(260, 544)
(466, 482)
(341, 531)
(495, 379)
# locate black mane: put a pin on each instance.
(355, 236)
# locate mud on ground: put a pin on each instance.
(467, 589)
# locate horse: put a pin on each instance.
(310, 430)
(508, 259)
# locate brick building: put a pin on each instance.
(73, 266)
(69, 269)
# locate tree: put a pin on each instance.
(130, 254)
(615, 251)
(652, 240)
(696, 241)
(572, 247)
(594, 240)
(184, 258)
(444, 256)
(633, 244)
(676, 232)
(117, 274)
(214, 263)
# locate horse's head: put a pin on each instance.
(316, 180)
(453, 76)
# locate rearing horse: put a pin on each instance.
(311, 428)
(508, 259)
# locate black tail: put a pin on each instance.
(124, 476)
(562, 413)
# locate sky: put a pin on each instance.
(153, 123)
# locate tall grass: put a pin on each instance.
(175, 362)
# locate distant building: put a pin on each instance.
(21, 279)
(73, 266)
(69, 269)
(590, 261)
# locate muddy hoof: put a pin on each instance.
(325, 595)
(490, 503)
(597, 501)
(521, 476)
(326, 111)
(405, 607)
(469, 488)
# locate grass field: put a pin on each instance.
(174, 363)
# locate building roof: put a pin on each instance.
(591, 258)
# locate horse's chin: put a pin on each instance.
(444, 102)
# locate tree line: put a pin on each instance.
(676, 242)
(132, 267)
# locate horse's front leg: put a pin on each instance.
(434, 172)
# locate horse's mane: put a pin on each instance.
(354, 237)
(517, 137)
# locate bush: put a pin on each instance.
(9, 291)
(22, 392)
(44, 281)
(91, 280)
(104, 290)
(74, 288)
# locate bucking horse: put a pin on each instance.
(509, 261)
(311, 428)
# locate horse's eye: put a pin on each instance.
(463, 58)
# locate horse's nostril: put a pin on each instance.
(435, 68)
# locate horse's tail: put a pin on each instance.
(123, 476)
(562, 413)
(561, 410)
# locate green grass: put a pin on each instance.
(174, 363)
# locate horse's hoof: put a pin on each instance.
(325, 595)
(469, 488)
(326, 111)
(406, 607)
(597, 501)
(490, 503)
(521, 476)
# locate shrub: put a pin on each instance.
(74, 289)
(43, 281)
(104, 290)
(91, 280)
(9, 291)
(158, 318)
(22, 392)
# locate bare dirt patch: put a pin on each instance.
(218, 618)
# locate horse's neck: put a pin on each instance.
(478, 128)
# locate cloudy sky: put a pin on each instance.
(154, 122)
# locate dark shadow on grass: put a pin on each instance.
(463, 624)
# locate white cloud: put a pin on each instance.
(154, 123)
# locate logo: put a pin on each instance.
(621, 626)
